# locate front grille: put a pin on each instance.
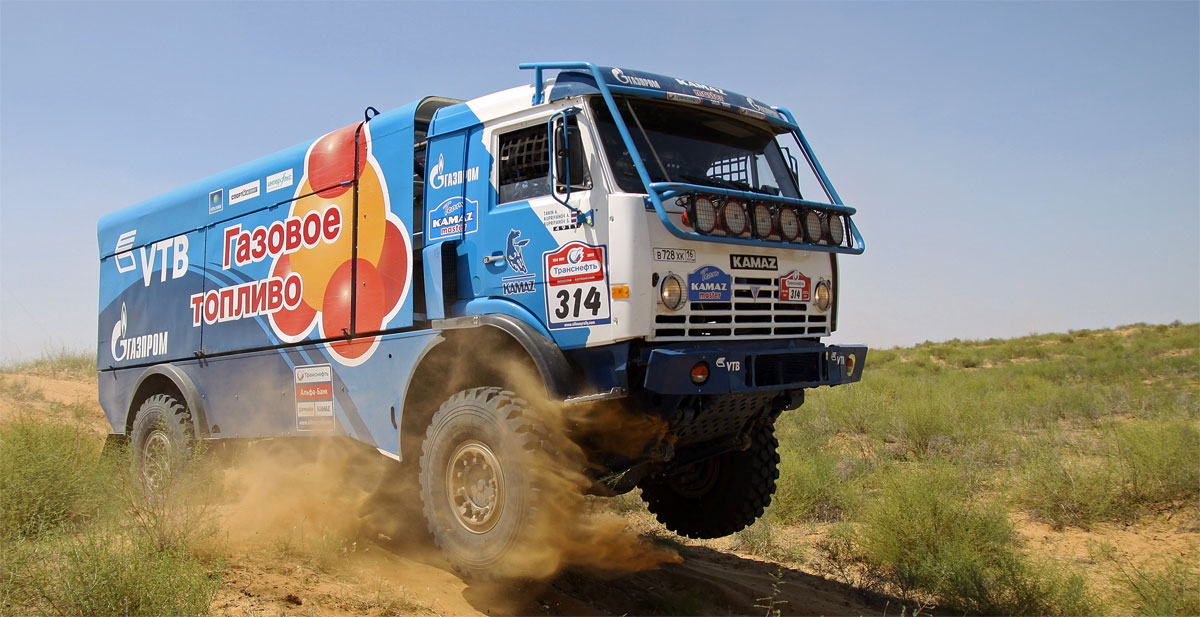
(755, 312)
(783, 369)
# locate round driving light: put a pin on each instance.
(812, 226)
(837, 230)
(789, 224)
(764, 223)
(704, 215)
(700, 373)
(733, 217)
(849, 366)
(671, 291)
(823, 295)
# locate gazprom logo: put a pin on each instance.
(137, 347)
(633, 80)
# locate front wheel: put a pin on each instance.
(162, 440)
(480, 485)
(720, 495)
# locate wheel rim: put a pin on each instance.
(156, 458)
(695, 481)
(475, 486)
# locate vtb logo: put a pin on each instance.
(172, 252)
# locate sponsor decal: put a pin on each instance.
(518, 287)
(764, 109)
(241, 193)
(439, 180)
(555, 220)
(732, 366)
(314, 397)
(795, 287)
(576, 286)
(513, 253)
(252, 299)
(753, 262)
(710, 284)
(633, 80)
(137, 347)
(704, 87)
(280, 180)
(675, 255)
(216, 201)
(167, 255)
(453, 217)
(315, 269)
(280, 237)
(125, 260)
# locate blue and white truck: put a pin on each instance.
(601, 236)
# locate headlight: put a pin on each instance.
(837, 230)
(764, 224)
(823, 296)
(789, 224)
(812, 226)
(733, 217)
(704, 215)
(671, 291)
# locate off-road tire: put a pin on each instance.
(717, 496)
(480, 443)
(162, 440)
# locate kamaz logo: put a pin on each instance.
(753, 262)
(513, 253)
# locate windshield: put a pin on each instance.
(683, 143)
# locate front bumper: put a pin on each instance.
(746, 367)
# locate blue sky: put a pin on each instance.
(1018, 167)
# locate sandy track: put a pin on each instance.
(269, 570)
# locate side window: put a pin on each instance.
(524, 165)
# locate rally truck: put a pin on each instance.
(599, 238)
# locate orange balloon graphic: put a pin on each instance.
(335, 316)
(291, 322)
(393, 265)
(331, 161)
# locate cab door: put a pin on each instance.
(545, 245)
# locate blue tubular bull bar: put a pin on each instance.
(659, 191)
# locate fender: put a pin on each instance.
(186, 388)
(550, 361)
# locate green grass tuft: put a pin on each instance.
(52, 475)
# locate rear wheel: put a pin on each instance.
(162, 440)
(720, 495)
(480, 485)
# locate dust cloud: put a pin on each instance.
(319, 496)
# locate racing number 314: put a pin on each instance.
(569, 304)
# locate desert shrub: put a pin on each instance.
(1160, 461)
(928, 537)
(1076, 493)
(106, 573)
(1172, 589)
(1139, 466)
(51, 474)
(63, 363)
(814, 486)
(762, 539)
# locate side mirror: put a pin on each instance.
(570, 162)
